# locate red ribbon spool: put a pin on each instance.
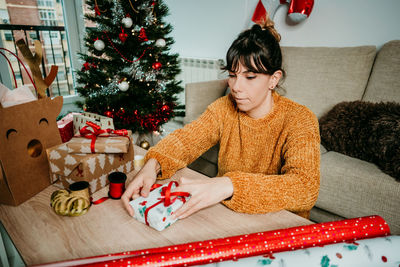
(116, 187)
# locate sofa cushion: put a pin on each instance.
(365, 130)
(351, 187)
(384, 83)
(320, 77)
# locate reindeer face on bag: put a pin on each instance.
(26, 131)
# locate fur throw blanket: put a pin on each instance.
(365, 130)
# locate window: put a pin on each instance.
(46, 3)
(8, 36)
(48, 17)
(33, 35)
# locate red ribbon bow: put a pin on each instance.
(166, 197)
(96, 131)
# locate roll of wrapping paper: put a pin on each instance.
(241, 246)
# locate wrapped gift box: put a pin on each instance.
(103, 144)
(155, 210)
(66, 127)
(66, 168)
(81, 119)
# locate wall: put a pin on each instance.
(206, 28)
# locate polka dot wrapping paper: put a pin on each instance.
(249, 245)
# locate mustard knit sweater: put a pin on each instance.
(273, 162)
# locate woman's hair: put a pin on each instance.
(257, 49)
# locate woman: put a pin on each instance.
(269, 145)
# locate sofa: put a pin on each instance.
(319, 78)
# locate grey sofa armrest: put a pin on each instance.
(201, 94)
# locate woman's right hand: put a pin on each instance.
(141, 183)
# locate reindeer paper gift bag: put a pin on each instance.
(26, 130)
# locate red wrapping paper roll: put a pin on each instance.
(242, 246)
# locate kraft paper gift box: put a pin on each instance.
(155, 210)
(103, 144)
(66, 168)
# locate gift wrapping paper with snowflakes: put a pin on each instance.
(66, 168)
(103, 144)
(158, 215)
(373, 252)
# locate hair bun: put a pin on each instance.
(269, 24)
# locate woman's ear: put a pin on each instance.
(275, 77)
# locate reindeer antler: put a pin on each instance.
(34, 62)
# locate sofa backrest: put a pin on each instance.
(320, 77)
(201, 94)
(384, 83)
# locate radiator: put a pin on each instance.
(199, 70)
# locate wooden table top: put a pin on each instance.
(42, 236)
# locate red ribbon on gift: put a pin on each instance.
(92, 131)
(166, 197)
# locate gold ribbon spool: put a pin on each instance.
(72, 202)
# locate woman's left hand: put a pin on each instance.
(204, 193)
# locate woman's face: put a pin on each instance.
(252, 91)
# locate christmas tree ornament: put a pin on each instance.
(160, 42)
(144, 144)
(109, 113)
(127, 21)
(142, 35)
(123, 86)
(123, 35)
(156, 65)
(99, 45)
(86, 66)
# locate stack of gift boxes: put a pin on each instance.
(89, 155)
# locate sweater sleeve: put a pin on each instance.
(296, 187)
(184, 145)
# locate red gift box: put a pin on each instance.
(66, 127)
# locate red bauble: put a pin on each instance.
(156, 65)
(109, 113)
(123, 36)
(165, 108)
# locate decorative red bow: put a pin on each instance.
(166, 197)
(96, 131)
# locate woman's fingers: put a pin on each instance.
(187, 209)
(144, 192)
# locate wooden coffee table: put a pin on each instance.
(41, 236)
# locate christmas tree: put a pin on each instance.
(128, 72)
